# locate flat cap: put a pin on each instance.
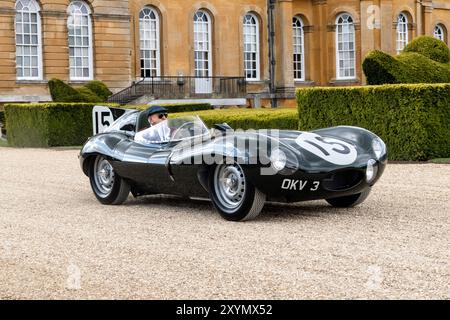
(156, 109)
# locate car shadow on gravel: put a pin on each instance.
(271, 210)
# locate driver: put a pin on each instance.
(159, 130)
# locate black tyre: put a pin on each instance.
(108, 187)
(350, 201)
(233, 196)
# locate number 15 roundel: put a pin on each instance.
(329, 149)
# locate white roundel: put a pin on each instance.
(329, 149)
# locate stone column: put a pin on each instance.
(8, 51)
(428, 17)
(419, 28)
(370, 22)
(387, 42)
(284, 79)
(319, 44)
(55, 47)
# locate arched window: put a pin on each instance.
(28, 40)
(299, 49)
(402, 32)
(80, 41)
(439, 32)
(345, 47)
(202, 44)
(149, 43)
(251, 47)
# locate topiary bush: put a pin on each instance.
(417, 68)
(421, 62)
(88, 95)
(62, 92)
(93, 91)
(429, 47)
(99, 88)
(413, 119)
(381, 68)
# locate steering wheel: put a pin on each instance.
(184, 126)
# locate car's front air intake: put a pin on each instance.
(343, 180)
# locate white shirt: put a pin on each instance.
(157, 133)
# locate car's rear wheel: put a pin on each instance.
(233, 196)
(108, 187)
(350, 201)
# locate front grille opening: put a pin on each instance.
(343, 180)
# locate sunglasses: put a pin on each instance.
(163, 115)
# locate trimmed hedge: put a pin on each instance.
(48, 125)
(408, 67)
(70, 124)
(413, 119)
(429, 47)
(176, 108)
(62, 92)
(424, 60)
(99, 88)
(250, 118)
(88, 95)
(93, 91)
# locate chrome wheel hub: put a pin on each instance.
(230, 186)
(104, 176)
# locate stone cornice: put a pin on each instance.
(332, 27)
(7, 11)
(318, 2)
(308, 29)
(53, 13)
(106, 16)
(63, 14)
(411, 26)
(441, 5)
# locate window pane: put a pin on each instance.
(402, 32)
(79, 40)
(251, 47)
(345, 47)
(201, 44)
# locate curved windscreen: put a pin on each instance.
(172, 129)
(125, 123)
(186, 127)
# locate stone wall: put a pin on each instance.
(116, 39)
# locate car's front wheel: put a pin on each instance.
(350, 201)
(233, 196)
(108, 187)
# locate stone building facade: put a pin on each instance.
(316, 42)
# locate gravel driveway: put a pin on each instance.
(57, 241)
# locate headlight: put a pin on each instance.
(278, 159)
(378, 147)
(371, 171)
